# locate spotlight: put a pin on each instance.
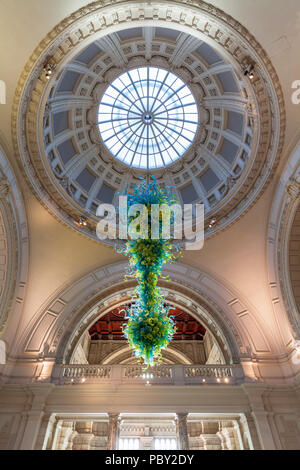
(249, 71)
(83, 380)
(49, 69)
(226, 380)
(82, 222)
(203, 380)
(212, 222)
(218, 380)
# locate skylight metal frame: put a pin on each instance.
(148, 118)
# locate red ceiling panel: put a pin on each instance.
(110, 326)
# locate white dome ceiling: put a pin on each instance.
(72, 142)
(227, 160)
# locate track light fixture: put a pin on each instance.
(249, 71)
(212, 222)
(81, 222)
(49, 69)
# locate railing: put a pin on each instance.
(160, 374)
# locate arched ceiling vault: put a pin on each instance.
(57, 327)
(13, 250)
(283, 247)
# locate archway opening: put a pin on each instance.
(105, 344)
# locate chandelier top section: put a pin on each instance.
(148, 118)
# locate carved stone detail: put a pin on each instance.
(293, 189)
(4, 188)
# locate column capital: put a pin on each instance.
(293, 189)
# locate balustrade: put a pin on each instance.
(160, 374)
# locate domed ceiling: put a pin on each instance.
(224, 163)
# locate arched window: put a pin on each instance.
(129, 443)
(165, 443)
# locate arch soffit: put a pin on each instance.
(14, 246)
(285, 203)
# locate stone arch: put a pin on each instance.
(13, 247)
(285, 205)
(198, 308)
(57, 327)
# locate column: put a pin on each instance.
(249, 432)
(35, 415)
(45, 433)
(32, 427)
(182, 431)
(113, 431)
(263, 429)
(260, 415)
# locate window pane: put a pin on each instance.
(129, 443)
(165, 444)
(148, 118)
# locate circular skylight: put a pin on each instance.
(148, 118)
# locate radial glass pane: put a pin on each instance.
(148, 118)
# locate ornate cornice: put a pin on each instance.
(201, 19)
(285, 206)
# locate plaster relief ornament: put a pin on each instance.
(149, 327)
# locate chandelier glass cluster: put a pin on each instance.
(149, 327)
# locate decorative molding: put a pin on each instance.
(195, 17)
(4, 188)
(293, 189)
(285, 205)
(13, 247)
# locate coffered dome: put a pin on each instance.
(216, 146)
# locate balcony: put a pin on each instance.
(159, 375)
